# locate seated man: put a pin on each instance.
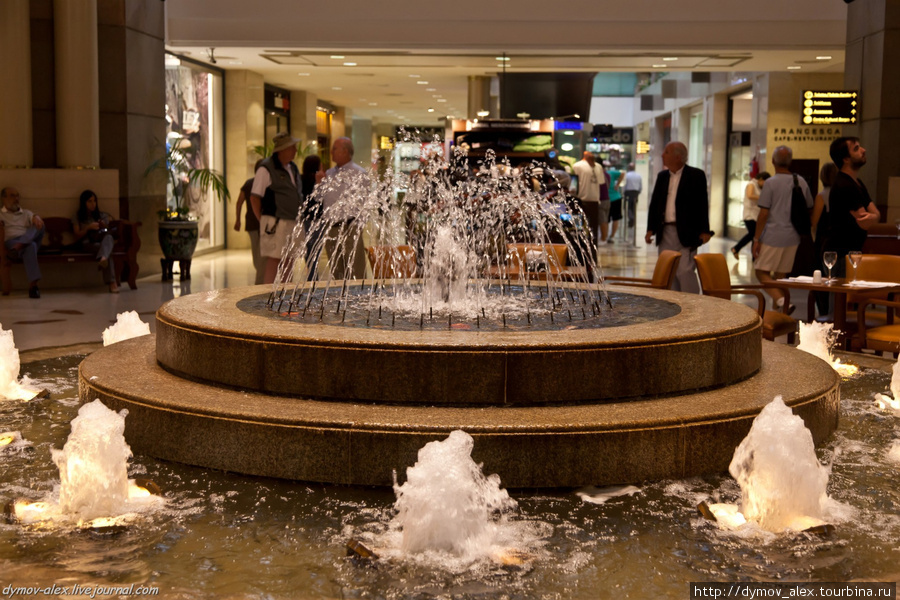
(21, 231)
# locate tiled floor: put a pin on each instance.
(70, 316)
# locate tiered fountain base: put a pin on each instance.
(225, 387)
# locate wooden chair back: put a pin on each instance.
(392, 262)
(666, 267)
(714, 277)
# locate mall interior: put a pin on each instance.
(106, 85)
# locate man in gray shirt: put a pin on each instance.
(776, 241)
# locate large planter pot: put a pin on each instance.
(178, 239)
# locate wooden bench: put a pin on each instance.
(59, 235)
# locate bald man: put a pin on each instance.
(679, 214)
(340, 190)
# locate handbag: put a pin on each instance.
(799, 212)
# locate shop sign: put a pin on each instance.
(643, 147)
(617, 135)
(830, 107)
(805, 134)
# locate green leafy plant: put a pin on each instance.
(182, 176)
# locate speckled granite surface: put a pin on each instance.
(708, 344)
(530, 446)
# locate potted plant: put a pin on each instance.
(178, 231)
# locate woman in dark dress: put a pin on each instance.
(92, 230)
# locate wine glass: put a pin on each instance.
(830, 259)
(855, 258)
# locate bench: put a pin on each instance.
(59, 235)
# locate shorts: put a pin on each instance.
(274, 235)
(615, 210)
(604, 211)
(774, 259)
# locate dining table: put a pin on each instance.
(841, 287)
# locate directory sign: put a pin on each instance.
(830, 107)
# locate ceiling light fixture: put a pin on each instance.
(483, 113)
(794, 68)
(430, 109)
(823, 58)
(422, 83)
(441, 99)
(337, 56)
(415, 76)
(503, 58)
(337, 89)
(660, 66)
(431, 90)
(349, 64)
(670, 58)
(303, 74)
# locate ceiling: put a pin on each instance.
(391, 71)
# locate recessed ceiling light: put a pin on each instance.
(794, 67)
(337, 56)
(415, 76)
(235, 62)
(422, 82)
(431, 90)
(503, 58)
(436, 95)
(430, 109)
(303, 74)
(349, 64)
(823, 58)
(441, 99)
(373, 104)
(670, 58)
(337, 89)
(660, 66)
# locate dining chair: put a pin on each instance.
(392, 262)
(715, 280)
(663, 273)
(872, 267)
(881, 338)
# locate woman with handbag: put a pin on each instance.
(92, 229)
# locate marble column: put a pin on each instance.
(479, 96)
(15, 102)
(870, 66)
(77, 91)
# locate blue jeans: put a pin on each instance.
(31, 241)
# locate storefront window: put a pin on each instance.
(194, 124)
(738, 161)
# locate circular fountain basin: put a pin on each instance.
(680, 343)
(186, 400)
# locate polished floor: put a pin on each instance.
(71, 316)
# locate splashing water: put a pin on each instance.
(462, 230)
(128, 325)
(92, 464)
(448, 505)
(10, 387)
(94, 487)
(819, 339)
(883, 401)
(782, 483)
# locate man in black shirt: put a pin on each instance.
(851, 210)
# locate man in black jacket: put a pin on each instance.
(679, 214)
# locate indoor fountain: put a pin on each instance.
(653, 388)
(507, 332)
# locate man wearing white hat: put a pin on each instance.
(276, 197)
